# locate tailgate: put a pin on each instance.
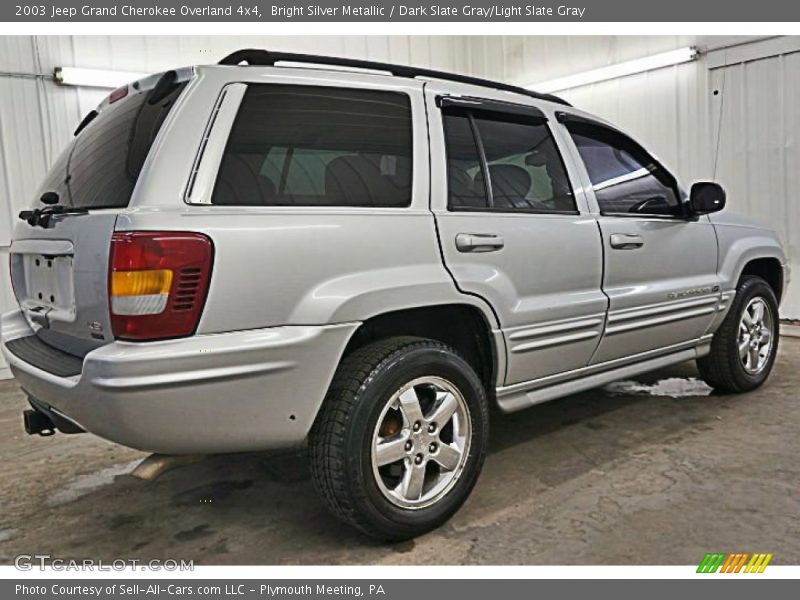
(59, 265)
(60, 279)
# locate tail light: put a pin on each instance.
(157, 283)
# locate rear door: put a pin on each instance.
(59, 262)
(514, 232)
(660, 267)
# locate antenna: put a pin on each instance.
(721, 92)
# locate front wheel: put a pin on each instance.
(401, 437)
(744, 347)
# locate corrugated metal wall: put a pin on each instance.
(756, 116)
(672, 110)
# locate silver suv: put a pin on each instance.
(364, 257)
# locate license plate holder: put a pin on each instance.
(49, 285)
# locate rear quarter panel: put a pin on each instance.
(297, 265)
(274, 267)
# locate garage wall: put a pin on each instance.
(37, 117)
(733, 115)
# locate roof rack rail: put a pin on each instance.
(258, 57)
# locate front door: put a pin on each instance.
(660, 266)
(513, 232)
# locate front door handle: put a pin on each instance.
(479, 242)
(626, 241)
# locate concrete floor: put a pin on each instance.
(612, 476)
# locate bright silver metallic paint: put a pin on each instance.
(291, 285)
(237, 391)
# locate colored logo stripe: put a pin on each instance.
(734, 562)
(758, 563)
(711, 562)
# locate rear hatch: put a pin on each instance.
(60, 250)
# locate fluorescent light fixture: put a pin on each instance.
(631, 67)
(100, 78)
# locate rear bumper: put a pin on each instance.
(247, 390)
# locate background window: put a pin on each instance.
(317, 146)
(625, 178)
(525, 168)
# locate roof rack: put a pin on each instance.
(257, 57)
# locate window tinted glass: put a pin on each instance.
(525, 168)
(317, 146)
(464, 183)
(100, 167)
(626, 179)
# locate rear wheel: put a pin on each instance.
(401, 437)
(743, 349)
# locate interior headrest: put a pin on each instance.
(354, 181)
(240, 182)
(537, 158)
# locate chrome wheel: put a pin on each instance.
(755, 335)
(421, 442)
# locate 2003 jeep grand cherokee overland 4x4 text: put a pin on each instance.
(252, 256)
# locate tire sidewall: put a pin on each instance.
(751, 288)
(394, 372)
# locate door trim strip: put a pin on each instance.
(660, 320)
(505, 394)
(555, 341)
(556, 327)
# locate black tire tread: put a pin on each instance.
(327, 460)
(717, 368)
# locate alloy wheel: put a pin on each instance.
(755, 335)
(421, 442)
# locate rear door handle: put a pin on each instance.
(479, 242)
(626, 241)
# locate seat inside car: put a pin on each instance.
(510, 185)
(240, 182)
(358, 180)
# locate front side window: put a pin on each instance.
(516, 155)
(625, 178)
(317, 146)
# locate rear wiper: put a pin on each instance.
(41, 216)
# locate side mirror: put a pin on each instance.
(706, 197)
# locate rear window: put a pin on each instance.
(100, 167)
(317, 146)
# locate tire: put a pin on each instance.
(365, 413)
(724, 368)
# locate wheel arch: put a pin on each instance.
(768, 268)
(749, 251)
(462, 325)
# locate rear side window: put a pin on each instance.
(101, 166)
(524, 168)
(625, 178)
(317, 146)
